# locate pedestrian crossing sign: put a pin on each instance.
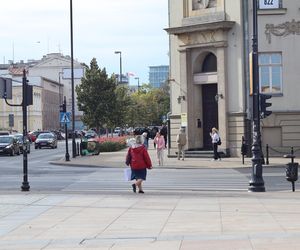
(65, 117)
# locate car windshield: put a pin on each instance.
(20, 137)
(45, 136)
(5, 139)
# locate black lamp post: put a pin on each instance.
(119, 52)
(25, 184)
(256, 184)
(72, 82)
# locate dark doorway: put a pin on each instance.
(210, 112)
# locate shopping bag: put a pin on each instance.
(127, 174)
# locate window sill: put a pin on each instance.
(274, 94)
(281, 11)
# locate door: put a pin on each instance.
(210, 112)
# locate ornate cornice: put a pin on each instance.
(284, 29)
(223, 25)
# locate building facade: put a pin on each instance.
(43, 114)
(158, 75)
(210, 43)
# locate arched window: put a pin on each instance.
(209, 63)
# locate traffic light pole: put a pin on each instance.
(256, 184)
(25, 184)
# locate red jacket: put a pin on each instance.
(138, 158)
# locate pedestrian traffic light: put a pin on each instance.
(62, 108)
(264, 105)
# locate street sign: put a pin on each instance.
(65, 117)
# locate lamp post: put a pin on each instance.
(256, 184)
(137, 78)
(72, 82)
(119, 52)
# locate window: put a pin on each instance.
(270, 73)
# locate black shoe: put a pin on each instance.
(141, 192)
(133, 188)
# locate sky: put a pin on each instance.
(32, 28)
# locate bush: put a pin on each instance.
(111, 146)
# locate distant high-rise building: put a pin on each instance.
(158, 75)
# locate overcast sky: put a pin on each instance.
(32, 28)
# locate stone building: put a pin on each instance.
(210, 43)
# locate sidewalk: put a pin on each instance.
(162, 221)
(117, 159)
(217, 221)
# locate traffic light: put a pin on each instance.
(62, 108)
(264, 105)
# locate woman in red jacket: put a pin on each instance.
(139, 160)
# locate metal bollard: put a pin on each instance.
(267, 154)
(77, 149)
(291, 170)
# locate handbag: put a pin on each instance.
(127, 174)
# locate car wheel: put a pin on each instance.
(36, 147)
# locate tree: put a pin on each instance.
(96, 96)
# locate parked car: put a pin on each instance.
(9, 145)
(4, 133)
(34, 134)
(90, 134)
(45, 140)
(19, 137)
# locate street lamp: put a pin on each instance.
(137, 78)
(119, 52)
(72, 82)
(256, 184)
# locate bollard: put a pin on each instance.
(77, 149)
(291, 170)
(267, 154)
(244, 149)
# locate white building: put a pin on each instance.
(210, 42)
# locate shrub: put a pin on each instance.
(112, 144)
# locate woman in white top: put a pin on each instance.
(215, 139)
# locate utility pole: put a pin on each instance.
(256, 184)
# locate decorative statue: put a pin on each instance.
(203, 4)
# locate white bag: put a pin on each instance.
(127, 174)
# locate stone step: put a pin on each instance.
(198, 154)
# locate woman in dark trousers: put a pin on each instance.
(215, 138)
(139, 160)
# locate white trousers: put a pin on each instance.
(160, 156)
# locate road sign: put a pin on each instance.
(65, 117)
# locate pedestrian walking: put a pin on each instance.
(181, 142)
(139, 160)
(146, 140)
(216, 140)
(160, 147)
(164, 132)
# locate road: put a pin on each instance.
(43, 176)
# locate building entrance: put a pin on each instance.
(210, 112)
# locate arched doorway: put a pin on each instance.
(209, 101)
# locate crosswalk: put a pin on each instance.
(165, 180)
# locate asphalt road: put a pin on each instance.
(45, 177)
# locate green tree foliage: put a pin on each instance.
(149, 105)
(96, 96)
(104, 104)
